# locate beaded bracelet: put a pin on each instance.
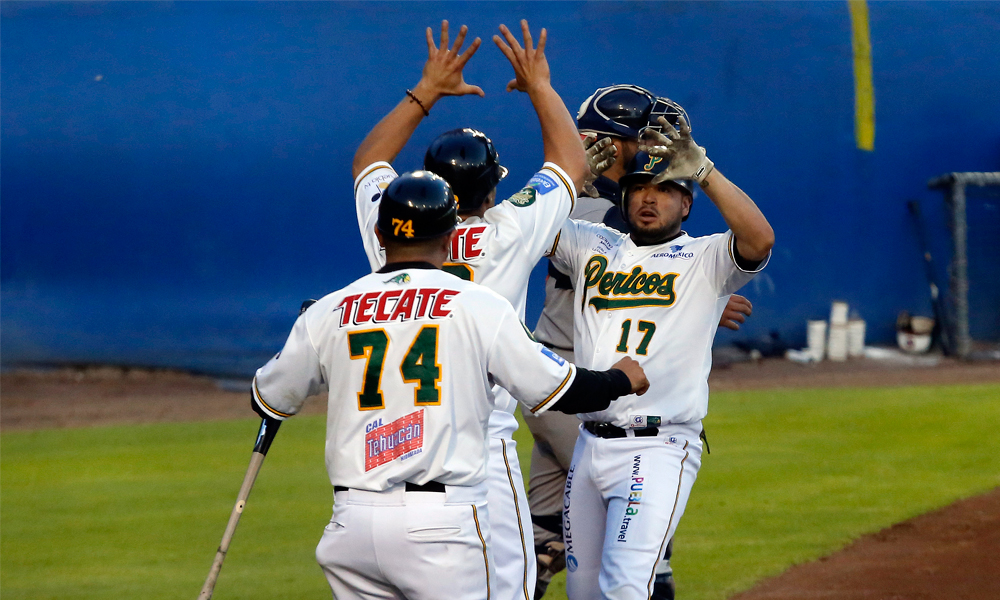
(419, 103)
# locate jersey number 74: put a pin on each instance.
(419, 366)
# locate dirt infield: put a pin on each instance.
(951, 553)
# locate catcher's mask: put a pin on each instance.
(643, 168)
(668, 109)
(417, 206)
(469, 163)
(625, 110)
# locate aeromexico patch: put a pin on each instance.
(542, 183)
(526, 197)
(676, 251)
(555, 357)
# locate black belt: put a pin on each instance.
(607, 430)
(431, 486)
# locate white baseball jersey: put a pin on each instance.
(555, 324)
(659, 304)
(406, 358)
(498, 250)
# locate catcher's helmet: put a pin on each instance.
(617, 110)
(468, 161)
(645, 167)
(625, 110)
(667, 108)
(417, 206)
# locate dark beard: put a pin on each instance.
(653, 237)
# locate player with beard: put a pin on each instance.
(655, 294)
(610, 120)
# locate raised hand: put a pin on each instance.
(442, 75)
(530, 66)
(687, 159)
(601, 155)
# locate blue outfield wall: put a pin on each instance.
(175, 177)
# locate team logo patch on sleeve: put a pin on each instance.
(555, 357)
(401, 438)
(526, 197)
(542, 183)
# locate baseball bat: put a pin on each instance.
(265, 435)
(941, 325)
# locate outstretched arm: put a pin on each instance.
(560, 139)
(754, 236)
(442, 76)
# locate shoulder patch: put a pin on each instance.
(555, 357)
(526, 197)
(542, 183)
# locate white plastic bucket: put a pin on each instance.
(838, 313)
(856, 338)
(816, 338)
(836, 347)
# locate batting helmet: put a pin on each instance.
(617, 110)
(468, 161)
(642, 168)
(417, 206)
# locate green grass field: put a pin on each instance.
(137, 512)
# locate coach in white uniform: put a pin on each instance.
(655, 294)
(497, 245)
(406, 356)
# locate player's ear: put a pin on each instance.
(378, 234)
(687, 200)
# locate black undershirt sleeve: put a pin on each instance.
(743, 263)
(593, 391)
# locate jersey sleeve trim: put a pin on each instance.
(570, 189)
(555, 244)
(556, 393)
(732, 256)
(271, 411)
(369, 170)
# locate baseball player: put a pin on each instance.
(610, 121)
(656, 294)
(496, 245)
(406, 356)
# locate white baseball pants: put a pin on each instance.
(413, 545)
(510, 524)
(623, 500)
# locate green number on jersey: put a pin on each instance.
(623, 342)
(420, 365)
(645, 327)
(460, 270)
(649, 329)
(371, 346)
